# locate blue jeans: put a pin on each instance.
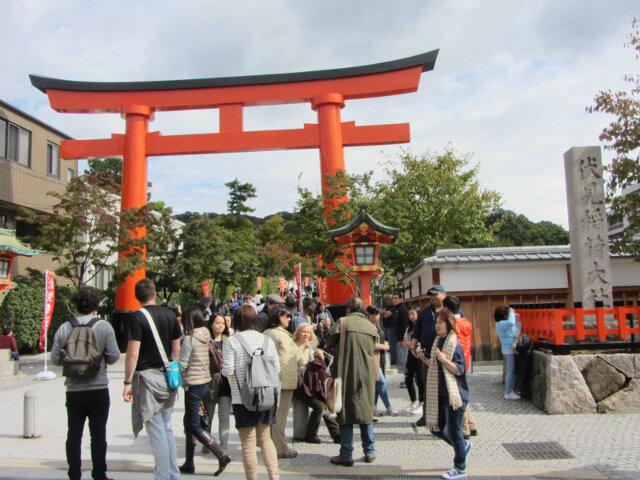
(390, 333)
(452, 434)
(346, 440)
(510, 378)
(403, 353)
(381, 390)
(163, 445)
(193, 396)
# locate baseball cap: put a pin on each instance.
(435, 289)
(273, 298)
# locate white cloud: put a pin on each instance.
(510, 85)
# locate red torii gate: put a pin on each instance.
(325, 90)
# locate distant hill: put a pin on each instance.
(186, 217)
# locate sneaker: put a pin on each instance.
(454, 474)
(512, 396)
(417, 410)
(378, 413)
(403, 385)
(391, 412)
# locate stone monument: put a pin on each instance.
(590, 263)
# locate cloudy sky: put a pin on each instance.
(510, 85)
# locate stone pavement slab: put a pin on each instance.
(601, 446)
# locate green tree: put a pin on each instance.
(239, 193)
(436, 201)
(623, 137)
(85, 234)
(107, 171)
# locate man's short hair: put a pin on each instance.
(86, 299)
(355, 304)
(452, 303)
(145, 289)
(501, 313)
(6, 331)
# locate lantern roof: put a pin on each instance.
(364, 228)
(10, 244)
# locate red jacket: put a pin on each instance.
(463, 331)
(7, 341)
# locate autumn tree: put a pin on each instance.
(622, 136)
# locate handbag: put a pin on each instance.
(215, 358)
(172, 369)
(333, 386)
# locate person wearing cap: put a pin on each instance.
(263, 316)
(424, 332)
(205, 307)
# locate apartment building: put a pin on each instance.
(30, 167)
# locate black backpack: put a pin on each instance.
(80, 354)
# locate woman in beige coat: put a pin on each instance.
(279, 319)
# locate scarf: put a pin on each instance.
(432, 381)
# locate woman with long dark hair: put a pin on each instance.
(194, 367)
(447, 392)
(219, 392)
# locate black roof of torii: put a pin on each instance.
(426, 60)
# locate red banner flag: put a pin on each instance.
(259, 283)
(49, 303)
(322, 290)
(206, 288)
(282, 283)
(298, 282)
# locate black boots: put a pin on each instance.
(190, 445)
(223, 457)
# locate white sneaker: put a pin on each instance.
(512, 396)
(408, 409)
(417, 410)
(454, 474)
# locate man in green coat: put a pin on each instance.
(358, 380)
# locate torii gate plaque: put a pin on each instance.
(325, 90)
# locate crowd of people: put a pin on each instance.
(217, 348)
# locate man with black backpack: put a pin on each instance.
(84, 346)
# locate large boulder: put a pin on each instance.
(566, 389)
(582, 360)
(539, 378)
(626, 400)
(602, 378)
(623, 362)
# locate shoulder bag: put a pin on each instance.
(172, 369)
(333, 386)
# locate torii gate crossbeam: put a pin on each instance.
(325, 90)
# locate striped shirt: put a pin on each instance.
(235, 359)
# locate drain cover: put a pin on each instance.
(537, 450)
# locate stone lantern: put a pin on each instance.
(363, 235)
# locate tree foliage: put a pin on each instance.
(510, 229)
(623, 137)
(85, 234)
(106, 171)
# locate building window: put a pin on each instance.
(4, 268)
(69, 175)
(53, 160)
(15, 143)
(3, 221)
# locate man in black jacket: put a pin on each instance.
(401, 323)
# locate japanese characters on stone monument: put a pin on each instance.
(590, 262)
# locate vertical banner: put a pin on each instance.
(259, 284)
(322, 290)
(206, 288)
(282, 283)
(298, 283)
(49, 303)
(307, 280)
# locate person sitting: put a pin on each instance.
(8, 342)
(313, 371)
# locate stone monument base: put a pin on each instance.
(586, 382)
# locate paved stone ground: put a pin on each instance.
(602, 446)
